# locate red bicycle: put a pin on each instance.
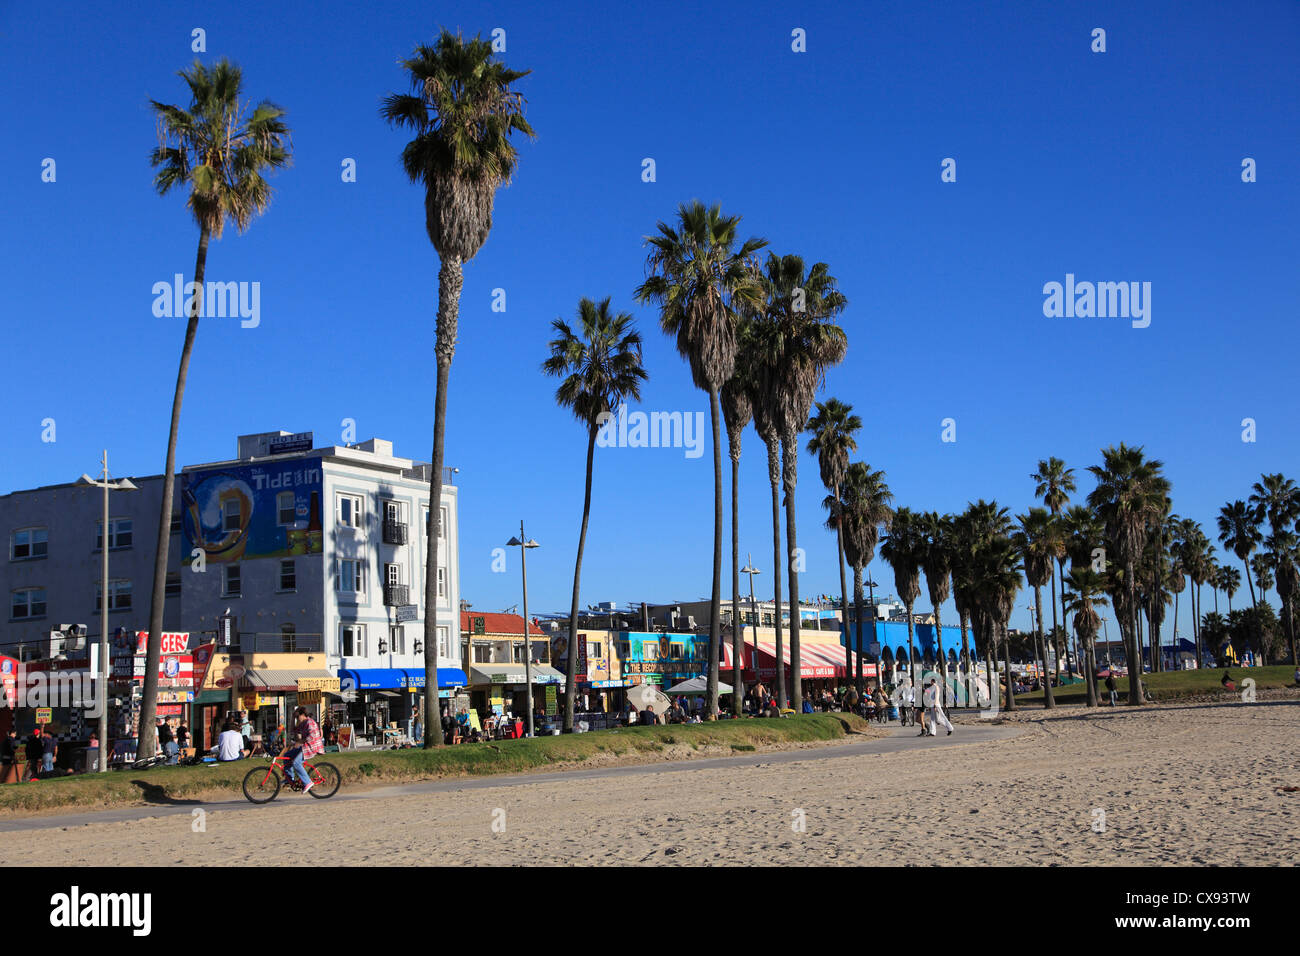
(263, 786)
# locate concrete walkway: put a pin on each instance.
(899, 739)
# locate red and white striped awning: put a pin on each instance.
(816, 660)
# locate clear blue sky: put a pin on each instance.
(1117, 166)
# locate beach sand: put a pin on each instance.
(1176, 783)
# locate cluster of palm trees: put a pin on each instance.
(759, 336)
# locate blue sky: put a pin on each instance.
(1115, 166)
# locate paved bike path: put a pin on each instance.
(901, 739)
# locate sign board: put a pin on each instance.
(284, 444)
(407, 612)
(478, 624)
(170, 710)
(552, 705)
(202, 660)
(318, 683)
(234, 671)
(250, 702)
(345, 737)
(44, 715)
(306, 697)
(224, 682)
(175, 696)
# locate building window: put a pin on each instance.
(518, 653)
(232, 582)
(650, 650)
(288, 638)
(625, 651)
(119, 595)
(351, 577)
(28, 603)
(677, 651)
(594, 651)
(353, 640)
(119, 534)
(442, 583)
(350, 512)
(173, 585)
(288, 576)
(29, 543)
(444, 641)
(232, 512)
(397, 639)
(442, 528)
(285, 513)
(392, 574)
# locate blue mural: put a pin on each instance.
(253, 511)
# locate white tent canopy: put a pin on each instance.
(697, 685)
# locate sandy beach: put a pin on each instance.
(1171, 784)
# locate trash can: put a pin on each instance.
(89, 761)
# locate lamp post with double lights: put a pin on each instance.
(523, 543)
(124, 484)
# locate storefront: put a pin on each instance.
(502, 688)
(376, 700)
(270, 695)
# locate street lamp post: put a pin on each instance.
(857, 627)
(124, 484)
(753, 609)
(523, 543)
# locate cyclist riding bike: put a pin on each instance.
(310, 744)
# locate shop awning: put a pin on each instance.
(212, 697)
(513, 674)
(271, 679)
(375, 678)
(816, 660)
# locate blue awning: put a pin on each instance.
(374, 678)
(396, 678)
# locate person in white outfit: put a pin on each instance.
(934, 709)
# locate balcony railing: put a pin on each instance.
(396, 595)
(394, 532)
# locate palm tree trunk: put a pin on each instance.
(1055, 643)
(1135, 645)
(450, 281)
(789, 476)
(737, 630)
(774, 476)
(1048, 700)
(571, 688)
(153, 649)
(1006, 655)
(844, 593)
(911, 656)
(715, 604)
(965, 657)
(857, 615)
(1090, 658)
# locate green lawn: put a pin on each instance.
(1172, 685)
(166, 784)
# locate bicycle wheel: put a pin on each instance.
(325, 780)
(261, 784)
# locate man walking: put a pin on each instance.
(934, 709)
(1110, 688)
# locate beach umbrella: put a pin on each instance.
(648, 695)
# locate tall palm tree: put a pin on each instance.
(902, 551)
(936, 561)
(600, 365)
(462, 112)
(1229, 582)
(1284, 545)
(798, 305)
(833, 428)
(1087, 589)
(760, 335)
(1053, 483)
(701, 281)
(1239, 533)
(995, 582)
(737, 410)
(1036, 544)
(865, 506)
(1084, 533)
(1131, 493)
(220, 151)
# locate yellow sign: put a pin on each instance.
(250, 702)
(45, 715)
(306, 697)
(317, 683)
